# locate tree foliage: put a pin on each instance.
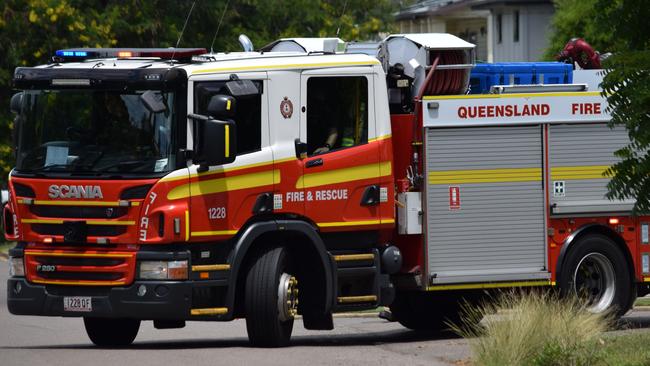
(627, 87)
(32, 30)
(576, 18)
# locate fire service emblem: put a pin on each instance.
(286, 108)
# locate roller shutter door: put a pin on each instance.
(494, 229)
(578, 156)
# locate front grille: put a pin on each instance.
(88, 276)
(78, 212)
(79, 268)
(95, 262)
(93, 230)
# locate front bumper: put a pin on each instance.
(165, 300)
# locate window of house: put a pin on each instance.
(515, 31)
(499, 28)
(248, 113)
(337, 113)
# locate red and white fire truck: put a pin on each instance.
(305, 178)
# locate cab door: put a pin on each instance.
(224, 198)
(341, 173)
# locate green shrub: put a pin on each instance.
(533, 329)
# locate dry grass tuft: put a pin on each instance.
(533, 329)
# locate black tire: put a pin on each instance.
(263, 323)
(423, 311)
(106, 332)
(587, 272)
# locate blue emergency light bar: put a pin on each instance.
(125, 53)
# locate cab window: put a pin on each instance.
(248, 116)
(337, 113)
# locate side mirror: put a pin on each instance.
(222, 106)
(16, 103)
(214, 141)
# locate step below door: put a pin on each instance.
(485, 204)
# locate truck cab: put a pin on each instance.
(153, 189)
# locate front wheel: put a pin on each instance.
(596, 272)
(106, 332)
(271, 298)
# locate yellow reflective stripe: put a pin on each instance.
(352, 299)
(355, 223)
(187, 225)
(124, 223)
(579, 172)
(87, 255)
(513, 95)
(344, 175)
(89, 222)
(287, 66)
(80, 283)
(226, 184)
(228, 105)
(209, 311)
(378, 138)
(227, 133)
(78, 203)
(354, 257)
(211, 267)
(233, 169)
(486, 176)
(469, 286)
(214, 233)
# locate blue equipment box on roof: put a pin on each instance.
(484, 76)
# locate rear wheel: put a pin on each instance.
(106, 332)
(596, 272)
(271, 298)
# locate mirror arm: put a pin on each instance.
(199, 117)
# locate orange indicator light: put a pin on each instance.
(125, 54)
(613, 221)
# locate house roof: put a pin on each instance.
(440, 7)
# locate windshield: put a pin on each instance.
(82, 131)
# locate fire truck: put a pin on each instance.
(307, 178)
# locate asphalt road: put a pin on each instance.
(354, 341)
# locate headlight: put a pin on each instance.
(163, 270)
(16, 267)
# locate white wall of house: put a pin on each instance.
(526, 43)
(533, 30)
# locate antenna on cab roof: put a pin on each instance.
(338, 29)
(219, 26)
(189, 14)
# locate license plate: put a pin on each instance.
(77, 303)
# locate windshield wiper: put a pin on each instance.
(54, 166)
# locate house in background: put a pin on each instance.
(502, 30)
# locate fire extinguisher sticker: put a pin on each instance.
(454, 198)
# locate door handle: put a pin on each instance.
(370, 196)
(313, 163)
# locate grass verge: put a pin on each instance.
(534, 329)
